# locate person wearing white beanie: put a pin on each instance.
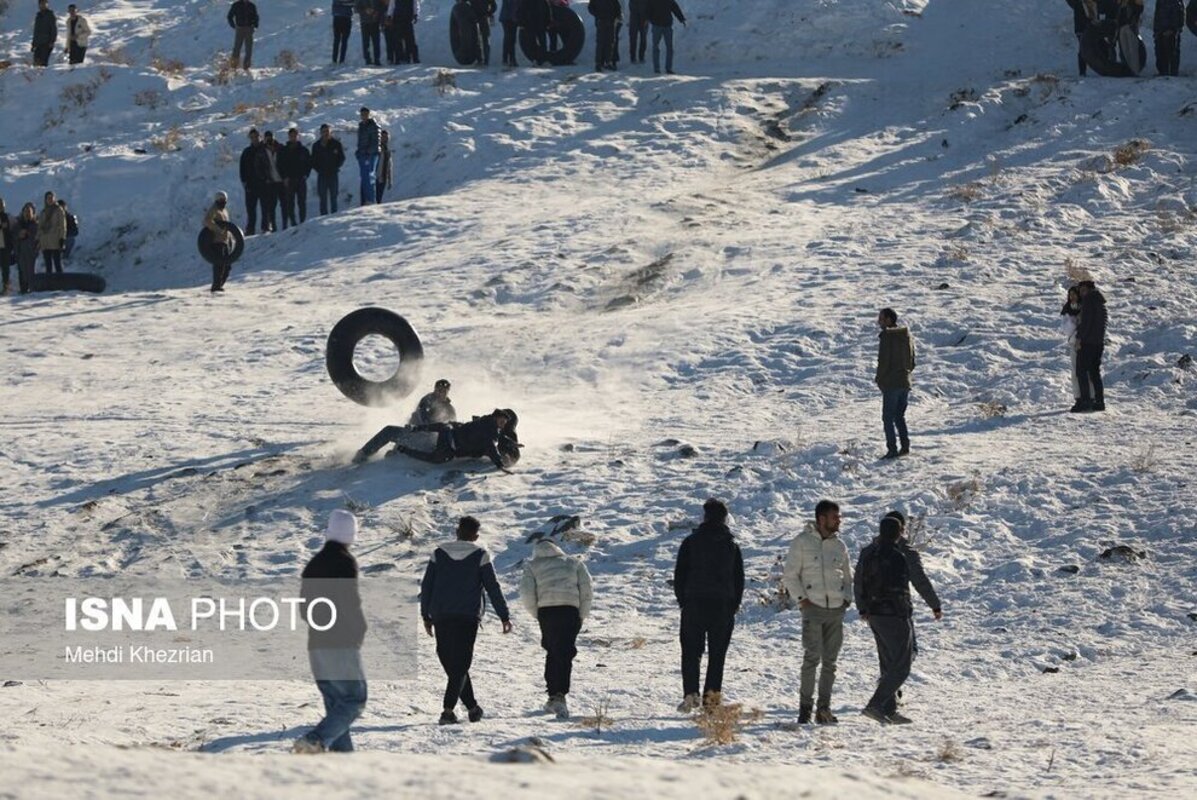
(335, 652)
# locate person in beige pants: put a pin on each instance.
(243, 19)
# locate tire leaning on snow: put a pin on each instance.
(571, 31)
(68, 282)
(208, 251)
(344, 339)
(1098, 40)
(463, 34)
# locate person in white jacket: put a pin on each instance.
(78, 35)
(556, 590)
(819, 577)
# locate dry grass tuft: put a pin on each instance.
(1130, 153)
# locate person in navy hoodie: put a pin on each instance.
(342, 18)
(451, 606)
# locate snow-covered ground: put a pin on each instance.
(634, 263)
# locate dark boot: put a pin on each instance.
(804, 715)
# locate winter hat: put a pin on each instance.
(342, 527)
(222, 196)
(891, 529)
(899, 516)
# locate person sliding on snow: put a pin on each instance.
(492, 436)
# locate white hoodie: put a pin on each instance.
(552, 578)
(817, 570)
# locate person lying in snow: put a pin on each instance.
(492, 436)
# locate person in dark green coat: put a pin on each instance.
(895, 361)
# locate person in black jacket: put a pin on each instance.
(660, 15)
(370, 15)
(45, 33)
(451, 606)
(1091, 341)
(708, 581)
(637, 30)
(404, 16)
(294, 164)
(335, 652)
(484, 12)
(1080, 23)
(243, 19)
(606, 14)
(327, 157)
(492, 436)
(255, 174)
(918, 577)
(882, 589)
(6, 249)
(1166, 25)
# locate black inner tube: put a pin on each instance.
(463, 34)
(344, 339)
(1099, 48)
(68, 282)
(207, 249)
(571, 34)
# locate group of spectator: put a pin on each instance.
(1168, 22)
(50, 232)
(45, 34)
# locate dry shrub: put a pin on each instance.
(169, 141)
(116, 55)
(1144, 459)
(991, 409)
(722, 723)
(1131, 152)
(918, 535)
(961, 493)
(167, 66)
(444, 80)
(224, 69)
(949, 752)
(149, 98)
(579, 537)
(966, 192)
(598, 719)
(4, 63)
(286, 60)
(1075, 272)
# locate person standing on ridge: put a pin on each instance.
(243, 19)
(51, 234)
(661, 14)
(818, 576)
(295, 165)
(45, 34)
(369, 146)
(895, 361)
(342, 20)
(78, 35)
(327, 157)
(606, 13)
(1167, 25)
(385, 156)
(708, 582)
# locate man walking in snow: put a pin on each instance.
(708, 582)
(895, 360)
(1091, 342)
(369, 147)
(884, 572)
(451, 606)
(917, 576)
(661, 14)
(818, 576)
(243, 19)
(556, 590)
(78, 35)
(45, 33)
(295, 165)
(335, 654)
(327, 157)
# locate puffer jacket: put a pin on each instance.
(454, 581)
(817, 569)
(709, 566)
(552, 578)
(1091, 324)
(51, 228)
(1169, 16)
(81, 34)
(895, 358)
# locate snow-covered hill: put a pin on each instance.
(634, 263)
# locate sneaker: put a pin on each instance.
(898, 719)
(689, 703)
(875, 714)
(562, 709)
(803, 715)
(824, 717)
(712, 699)
(889, 454)
(1081, 407)
(474, 714)
(447, 718)
(306, 745)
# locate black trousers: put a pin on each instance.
(604, 43)
(6, 266)
(295, 195)
(220, 274)
(371, 35)
(391, 41)
(484, 39)
(75, 53)
(559, 627)
(1167, 52)
(1088, 370)
(41, 54)
(405, 33)
(509, 39)
(637, 37)
(706, 624)
(52, 260)
(268, 198)
(342, 27)
(455, 638)
(895, 649)
(253, 198)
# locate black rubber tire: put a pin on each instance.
(204, 243)
(463, 34)
(570, 29)
(1097, 43)
(343, 340)
(1140, 49)
(1191, 17)
(68, 282)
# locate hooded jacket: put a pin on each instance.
(895, 358)
(369, 138)
(453, 582)
(817, 569)
(78, 31)
(51, 228)
(332, 574)
(883, 581)
(709, 566)
(552, 578)
(1091, 325)
(914, 571)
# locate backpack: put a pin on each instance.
(886, 577)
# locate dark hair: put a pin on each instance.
(898, 515)
(269, 134)
(442, 382)
(714, 511)
(62, 204)
(325, 126)
(825, 507)
(293, 130)
(891, 315)
(1087, 285)
(253, 131)
(467, 528)
(890, 529)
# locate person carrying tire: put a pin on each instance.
(222, 241)
(1166, 25)
(51, 234)
(606, 13)
(369, 147)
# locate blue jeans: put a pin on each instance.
(893, 417)
(327, 187)
(343, 699)
(662, 32)
(368, 164)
